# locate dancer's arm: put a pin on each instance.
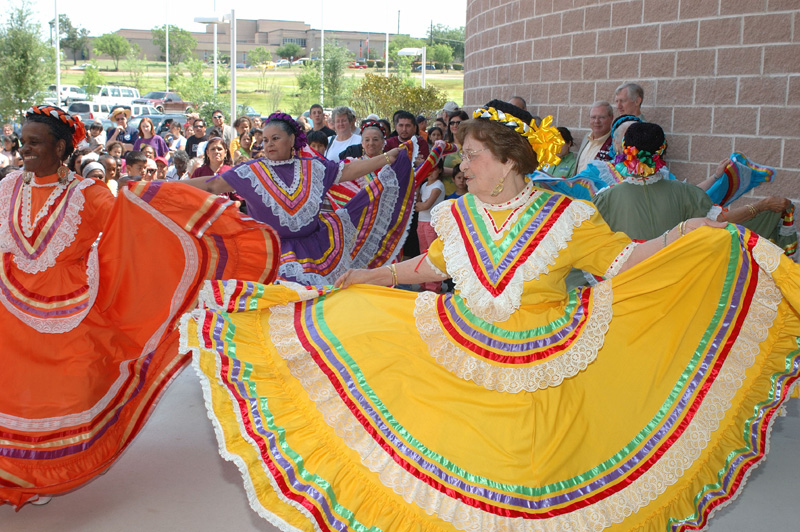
(362, 167)
(411, 271)
(646, 249)
(748, 212)
(214, 184)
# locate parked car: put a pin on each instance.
(429, 66)
(355, 64)
(89, 111)
(243, 109)
(44, 97)
(115, 96)
(301, 61)
(70, 93)
(283, 62)
(165, 101)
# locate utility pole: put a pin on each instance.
(431, 39)
(166, 28)
(322, 59)
(398, 22)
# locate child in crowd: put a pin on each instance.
(431, 193)
(460, 181)
(135, 163)
(318, 142)
(257, 147)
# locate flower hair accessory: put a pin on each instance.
(374, 123)
(77, 127)
(300, 139)
(640, 163)
(545, 139)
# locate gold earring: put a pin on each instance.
(499, 188)
(62, 173)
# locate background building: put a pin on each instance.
(270, 34)
(718, 76)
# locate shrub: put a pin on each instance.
(458, 66)
(370, 63)
(383, 96)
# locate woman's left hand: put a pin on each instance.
(693, 223)
(362, 276)
(393, 153)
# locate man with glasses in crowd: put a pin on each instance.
(199, 136)
(122, 132)
(597, 143)
(228, 133)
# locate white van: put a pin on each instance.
(70, 93)
(89, 110)
(113, 95)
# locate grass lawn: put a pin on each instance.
(281, 83)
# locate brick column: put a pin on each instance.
(719, 75)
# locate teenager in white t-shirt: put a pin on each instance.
(431, 193)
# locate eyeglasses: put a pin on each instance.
(150, 171)
(467, 155)
(456, 122)
(217, 117)
(199, 125)
(120, 118)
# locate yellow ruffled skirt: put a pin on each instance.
(341, 414)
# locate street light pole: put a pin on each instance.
(233, 65)
(166, 29)
(58, 58)
(322, 59)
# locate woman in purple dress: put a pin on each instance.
(286, 189)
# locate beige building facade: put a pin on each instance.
(718, 76)
(270, 34)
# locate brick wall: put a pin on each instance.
(719, 75)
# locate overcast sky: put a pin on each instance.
(356, 15)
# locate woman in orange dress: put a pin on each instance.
(91, 291)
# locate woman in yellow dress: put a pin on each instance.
(638, 404)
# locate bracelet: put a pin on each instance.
(752, 210)
(665, 236)
(681, 228)
(394, 274)
(387, 158)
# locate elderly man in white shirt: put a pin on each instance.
(597, 142)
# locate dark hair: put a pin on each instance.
(386, 124)
(504, 143)
(218, 111)
(404, 114)
(315, 106)
(133, 157)
(14, 142)
(238, 121)
(107, 157)
(645, 136)
(58, 129)
(291, 127)
(511, 109)
(73, 158)
(319, 137)
(196, 120)
(214, 132)
(111, 145)
(421, 119)
(566, 134)
(448, 135)
(227, 160)
(435, 128)
(256, 130)
(7, 170)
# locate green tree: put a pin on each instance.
(337, 87)
(289, 50)
(454, 37)
(26, 61)
(198, 88)
(441, 53)
(383, 96)
(181, 43)
(75, 39)
(260, 58)
(403, 63)
(136, 66)
(92, 78)
(113, 45)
